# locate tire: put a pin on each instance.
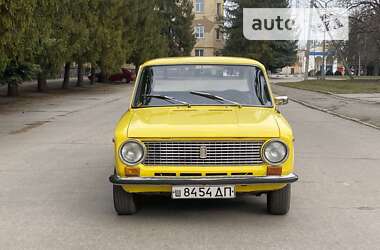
(278, 202)
(124, 202)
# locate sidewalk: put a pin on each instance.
(348, 107)
(33, 109)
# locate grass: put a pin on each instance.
(337, 86)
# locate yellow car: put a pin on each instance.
(203, 128)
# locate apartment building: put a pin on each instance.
(207, 22)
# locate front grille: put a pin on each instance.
(211, 153)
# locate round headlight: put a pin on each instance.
(132, 152)
(275, 152)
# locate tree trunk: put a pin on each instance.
(376, 70)
(137, 65)
(103, 76)
(41, 82)
(12, 89)
(93, 78)
(66, 76)
(80, 74)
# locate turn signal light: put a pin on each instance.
(132, 171)
(274, 170)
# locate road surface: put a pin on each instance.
(55, 194)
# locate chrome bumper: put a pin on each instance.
(238, 180)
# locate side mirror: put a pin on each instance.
(281, 100)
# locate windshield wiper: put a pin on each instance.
(169, 99)
(215, 97)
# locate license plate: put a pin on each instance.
(203, 192)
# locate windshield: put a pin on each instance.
(175, 85)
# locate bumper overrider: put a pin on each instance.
(206, 180)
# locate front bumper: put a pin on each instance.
(222, 180)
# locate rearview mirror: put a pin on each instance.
(281, 100)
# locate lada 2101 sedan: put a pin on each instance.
(203, 128)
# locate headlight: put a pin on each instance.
(132, 152)
(275, 152)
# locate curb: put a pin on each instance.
(334, 113)
(349, 98)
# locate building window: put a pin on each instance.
(199, 6)
(217, 34)
(200, 31)
(219, 9)
(199, 52)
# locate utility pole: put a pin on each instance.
(323, 70)
(308, 43)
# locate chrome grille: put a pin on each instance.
(193, 153)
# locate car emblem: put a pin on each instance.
(203, 152)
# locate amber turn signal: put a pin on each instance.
(132, 171)
(274, 170)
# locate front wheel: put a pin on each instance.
(278, 202)
(123, 201)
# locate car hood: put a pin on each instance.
(202, 122)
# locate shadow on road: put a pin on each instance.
(164, 206)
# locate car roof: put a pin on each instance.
(203, 60)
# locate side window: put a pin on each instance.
(265, 92)
(145, 86)
(262, 89)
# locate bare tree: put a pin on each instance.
(364, 45)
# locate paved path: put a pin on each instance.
(54, 192)
(362, 110)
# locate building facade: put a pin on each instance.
(207, 24)
(332, 63)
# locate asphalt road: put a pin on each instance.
(54, 192)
